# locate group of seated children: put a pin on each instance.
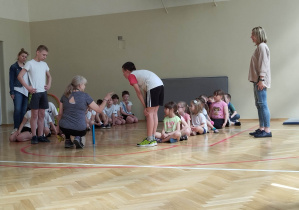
(113, 114)
(24, 131)
(207, 113)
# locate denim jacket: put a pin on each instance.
(14, 71)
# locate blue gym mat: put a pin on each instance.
(291, 121)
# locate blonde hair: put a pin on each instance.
(260, 34)
(76, 82)
(198, 106)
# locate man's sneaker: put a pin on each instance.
(263, 134)
(68, 143)
(154, 142)
(14, 130)
(145, 143)
(78, 142)
(257, 131)
(34, 140)
(42, 139)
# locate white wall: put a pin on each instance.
(191, 41)
(40, 10)
(14, 10)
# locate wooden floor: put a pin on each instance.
(229, 170)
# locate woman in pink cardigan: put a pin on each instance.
(260, 75)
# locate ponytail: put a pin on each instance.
(76, 81)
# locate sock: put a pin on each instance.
(150, 138)
(153, 137)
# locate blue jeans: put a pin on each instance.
(260, 97)
(235, 118)
(20, 106)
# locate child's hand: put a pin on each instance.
(31, 90)
(223, 126)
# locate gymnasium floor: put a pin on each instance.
(229, 170)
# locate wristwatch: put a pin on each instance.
(261, 79)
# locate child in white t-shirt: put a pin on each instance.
(126, 108)
(117, 117)
(38, 71)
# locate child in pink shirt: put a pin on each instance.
(219, 110)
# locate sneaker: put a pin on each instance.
(159, 140)
(78, 142)
(216, 131)
(14, 130)
(263, 134)
(102, 126)
(184, 137)
(68, 143)
(237, 123)
(108, 126)
(154, 142)
(145, 143)
(255, 132)
(42, 139)
(34, 140)
(172, 140)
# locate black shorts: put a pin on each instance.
(155, 97)
(39, 101)
(24, 129)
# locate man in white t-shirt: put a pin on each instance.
(38, 72)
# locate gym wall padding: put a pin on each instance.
(186, 89)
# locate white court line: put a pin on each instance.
(284, 186)
(153, 166)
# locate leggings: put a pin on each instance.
(70, 132)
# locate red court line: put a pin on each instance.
(231, 136)
(200, 164)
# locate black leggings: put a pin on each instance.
(70, 132)
(218, 123)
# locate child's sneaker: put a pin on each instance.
(184, 137)
(108, 126)
(216, 131)
(238, 123)
(145, 143)
(159, 140)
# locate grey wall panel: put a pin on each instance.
(186, 89)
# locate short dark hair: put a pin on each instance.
(114, 96)
(130, 66)
(41, 48)
(125, 92)
(99, 101)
